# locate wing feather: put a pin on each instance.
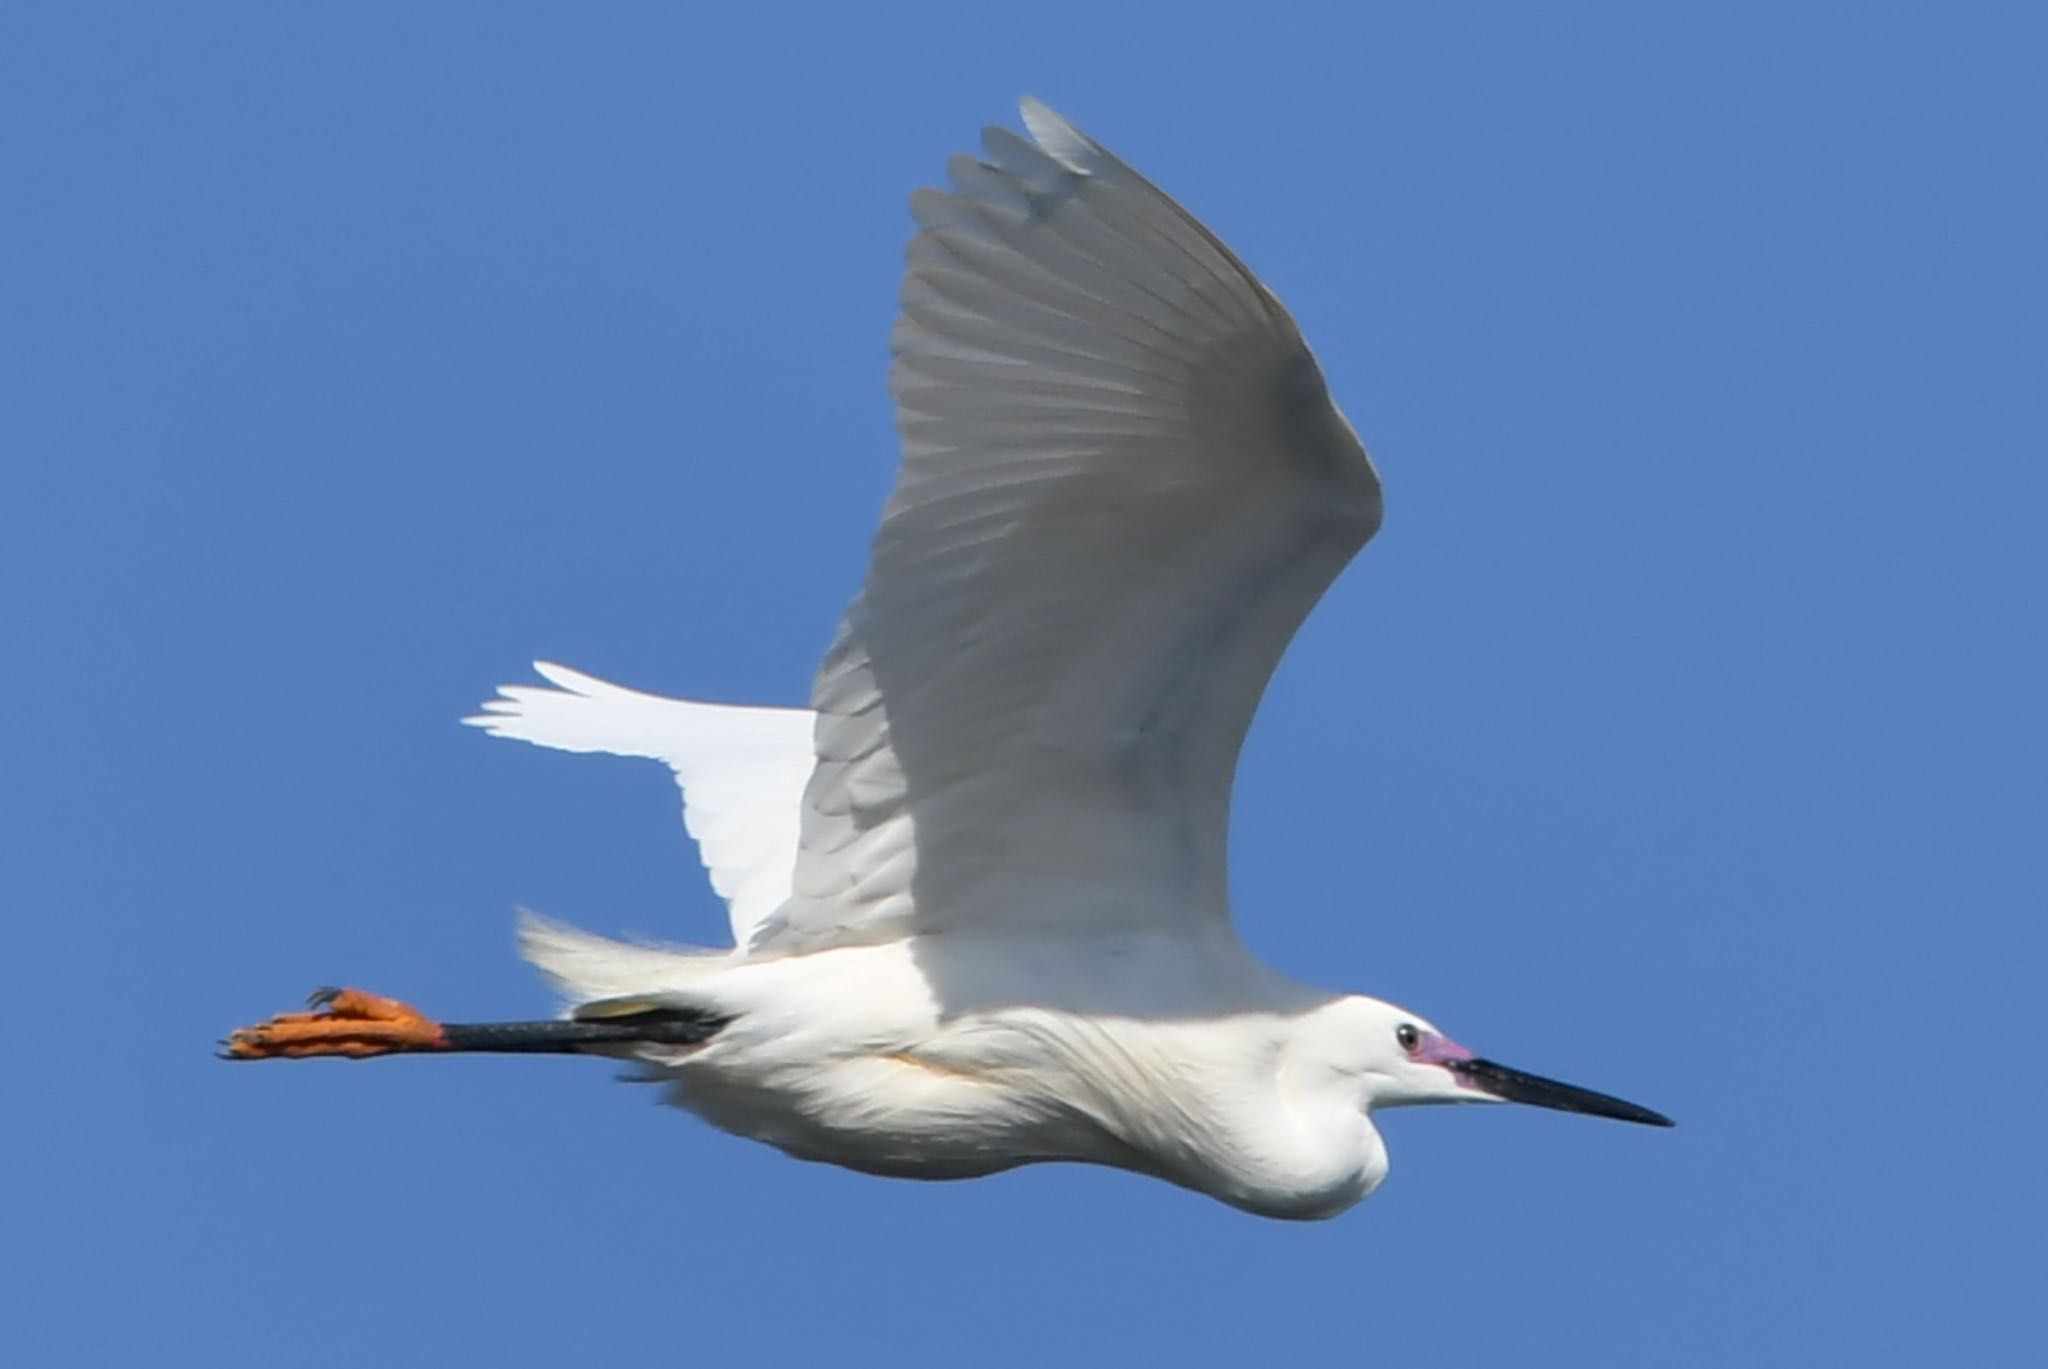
(742, 770)
(1123, 486)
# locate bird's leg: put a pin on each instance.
(354, 1025)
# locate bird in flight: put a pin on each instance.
(977, 888)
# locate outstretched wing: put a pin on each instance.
(1123, 486)
(741, 770)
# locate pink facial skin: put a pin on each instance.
(1437, 1049)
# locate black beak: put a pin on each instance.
(1517, 1087)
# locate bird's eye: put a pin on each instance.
(1408, 1036)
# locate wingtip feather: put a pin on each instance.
(1060, 139)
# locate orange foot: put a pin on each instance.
(344, 1022)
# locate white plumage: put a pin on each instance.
(742, 771)
(977, 892)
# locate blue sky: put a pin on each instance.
(1682, 733)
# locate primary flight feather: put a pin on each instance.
(977, 890)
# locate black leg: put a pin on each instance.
(661, 1027)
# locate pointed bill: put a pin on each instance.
(1514, 1086)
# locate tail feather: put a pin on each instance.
(606, 978)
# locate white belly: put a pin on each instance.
(893, 1115)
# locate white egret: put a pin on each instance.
(977, 889)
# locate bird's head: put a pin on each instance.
(1398, 1058)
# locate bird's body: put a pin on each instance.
(977, 889)
(944, 1057)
